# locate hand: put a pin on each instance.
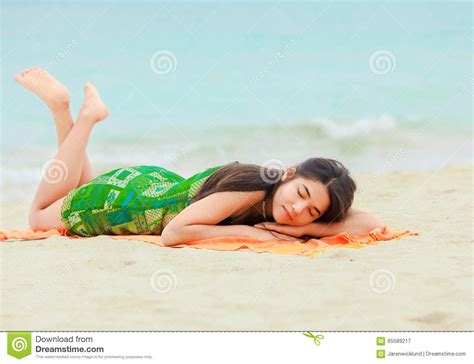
(262, 234)
(291, 230)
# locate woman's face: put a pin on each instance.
(299, 201)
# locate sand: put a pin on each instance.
(416, 283)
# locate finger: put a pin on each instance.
(266, 223)
(280, 229)
(275, 231)
(286, 237)
(266, 226)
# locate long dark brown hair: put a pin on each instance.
(238, 176)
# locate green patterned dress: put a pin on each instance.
(133, 200)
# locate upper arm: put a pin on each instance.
(212, 209)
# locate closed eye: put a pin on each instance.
(309, 208)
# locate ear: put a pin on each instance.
(289, 173)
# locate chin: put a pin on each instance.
(281, 217)
(279, 221)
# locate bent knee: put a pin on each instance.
(35, 220)
(45, 219)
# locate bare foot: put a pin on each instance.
(93, 107)
(45, 86)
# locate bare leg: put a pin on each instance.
(64, 124)
(63, 173)
(56, 97)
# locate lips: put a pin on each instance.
(289, 216)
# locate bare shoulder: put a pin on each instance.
(242, 197)
(248, 199)
(255, 196)
(354, 211)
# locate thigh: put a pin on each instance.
(47, 218)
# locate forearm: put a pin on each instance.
(185, 234)
(359, 223)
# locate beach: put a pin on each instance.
(415, 283)
(384, 88)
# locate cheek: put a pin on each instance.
(276, 203)
(281, 198)
(279, 214)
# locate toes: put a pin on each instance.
(18, 77)
(28, 70)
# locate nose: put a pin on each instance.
(299, 206)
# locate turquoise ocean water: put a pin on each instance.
(377, 85)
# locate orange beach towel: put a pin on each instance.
(228, 243)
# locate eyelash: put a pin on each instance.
(309, 209)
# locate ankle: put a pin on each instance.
(88, 114)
